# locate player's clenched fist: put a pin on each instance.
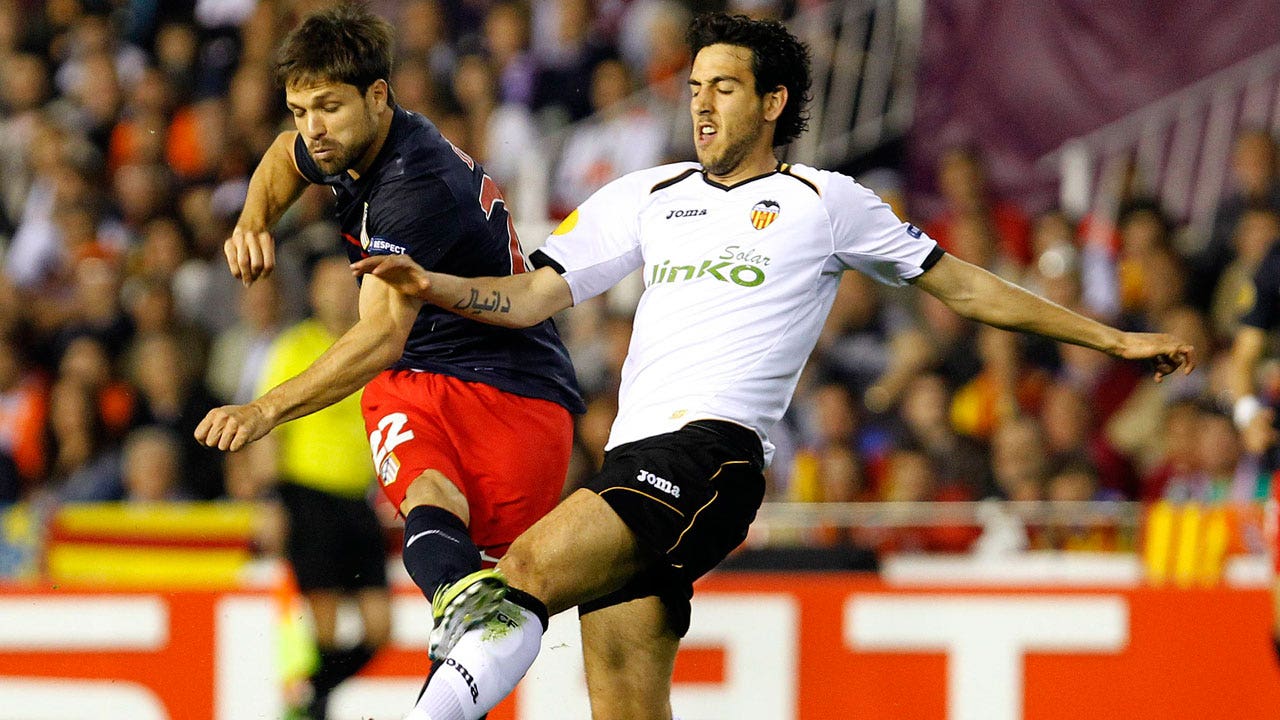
(251, 254)
(231, 427)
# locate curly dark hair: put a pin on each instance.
(345, 43)
(778, 58)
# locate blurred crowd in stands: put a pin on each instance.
(128, 131)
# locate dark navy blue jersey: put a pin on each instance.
(1265, 312)
(425, 198)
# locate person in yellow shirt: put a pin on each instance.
(334, 543)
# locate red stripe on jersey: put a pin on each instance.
(517, 255)
(490, 196)
(351, 239)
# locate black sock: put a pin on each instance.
(437, 548)
(335, 666)
(530, 603)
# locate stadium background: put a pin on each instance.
(1097, 535)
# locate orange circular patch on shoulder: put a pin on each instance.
(567, 225)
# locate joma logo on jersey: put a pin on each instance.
(744, 274)
(685, 213)
(662, 484)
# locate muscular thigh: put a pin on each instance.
(689, 496)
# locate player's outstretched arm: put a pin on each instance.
(985, 297)
(369, 347)
(1252, 417)
(519, 300)
(275, 185)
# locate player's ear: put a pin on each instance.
(377, 95)
(774, 102)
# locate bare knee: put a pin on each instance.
(525, 569)
(433, 488)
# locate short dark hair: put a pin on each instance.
(345, 43)
(778, 58)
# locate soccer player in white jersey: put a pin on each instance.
(741, 256)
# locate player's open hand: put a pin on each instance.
(231, 427)
(251, 254)
(1166, 352)
(398, 271)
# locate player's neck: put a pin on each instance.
(759, 162)
(375, 147)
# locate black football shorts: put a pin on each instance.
(689, 496)
(333, 542)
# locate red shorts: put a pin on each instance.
(508, 454)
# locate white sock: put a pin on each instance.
(483, 668)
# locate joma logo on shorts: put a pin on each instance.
(662, 484)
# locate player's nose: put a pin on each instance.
(315, 125)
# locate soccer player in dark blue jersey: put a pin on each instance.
(469, 424)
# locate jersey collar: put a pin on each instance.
(721, 186)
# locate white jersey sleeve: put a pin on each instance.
(599, 243)
(868, 237)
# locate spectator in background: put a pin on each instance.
(1255, 233)
(424, 39)
(142, 132)
(911, 477)
(416, 90)
(84, 466)
(151, 466)
(1071, 430)
(1255, 181)
(649, 39)
(92, 38)
(962, 180)
(61, 164)
(1178, 458)
(94, 306)
(952, 339)
(23, 405)
(161, 251)
(1019, 462)
(92, 104)
(621, 137)
(501, 135)
(253, 109)
(1216, 455)
(177, 47)
(506, 39)
(867, 341)
(239, 353)
(833, 461)
(1073, 479)
(167, 374)
(24, 87)
(1146, 250)
(961, 461)
(566, 48)
(89, 361)
(319, 466)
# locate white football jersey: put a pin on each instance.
(738, 282)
